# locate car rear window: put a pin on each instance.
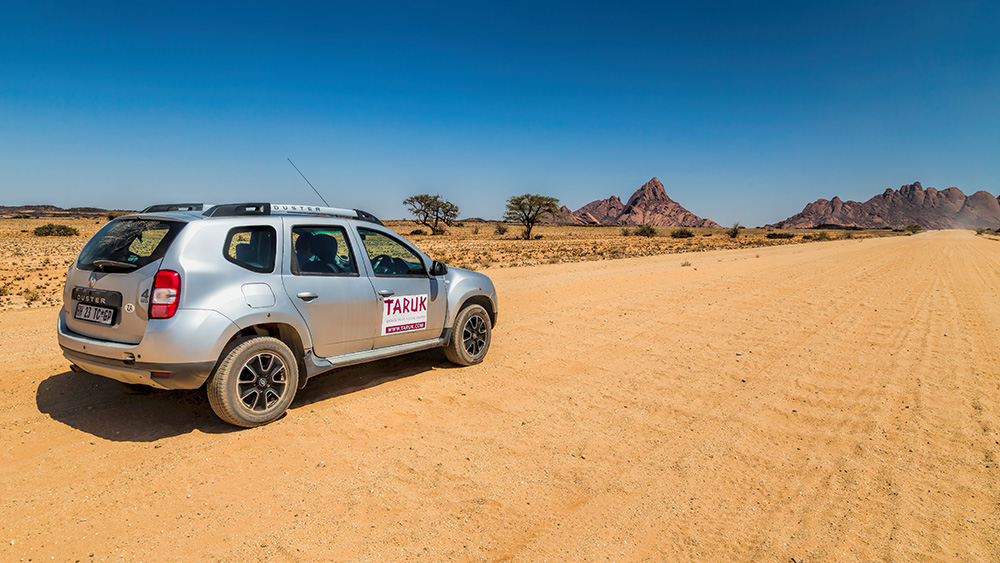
(251, 248)
(124, 245)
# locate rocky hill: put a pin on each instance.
(649, 205)
(910, 204)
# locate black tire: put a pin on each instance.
(471, 337)
(254, 383)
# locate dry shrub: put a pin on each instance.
(645, 231)
(54, 230)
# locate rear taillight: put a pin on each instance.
(166, 294)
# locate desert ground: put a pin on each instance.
(833, 401)
(33, 269)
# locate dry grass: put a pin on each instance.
(33, 269)
(463, 247)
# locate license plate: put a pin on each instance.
(94, 314)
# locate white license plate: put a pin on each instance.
(94, 314)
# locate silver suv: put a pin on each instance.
(253, 299)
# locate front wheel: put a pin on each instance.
(471, 338)
(254, 383)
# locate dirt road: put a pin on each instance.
(835, 401)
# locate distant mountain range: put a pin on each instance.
(910, 204)
(649, 205)
(51, 210)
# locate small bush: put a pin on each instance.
(538, 237)
(438, 231)
(681, 233)
(807, 237)
(914, 229)
(31, 296)
(822, 235)
(626, 232)
(112, 215)
(21, 216)
(475, 230)
(707, 235)
(418, 232)
(501, 229)
(685, 264)
(981, 231)
(4, 290)
(734, 231)
(780, 235)
(54, 230)
(645, 231)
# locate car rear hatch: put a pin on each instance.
(108, 288)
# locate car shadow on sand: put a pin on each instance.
(107, 409)
(348, 380)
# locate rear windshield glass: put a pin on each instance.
(124, 245)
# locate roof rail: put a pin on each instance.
(321, 210)
(238, 210)
(365, 216)
(242, 209)
(161, 207)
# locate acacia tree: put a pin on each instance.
(431, 210)
(528, 209)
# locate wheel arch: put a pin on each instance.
(282, 331)
(483, 301)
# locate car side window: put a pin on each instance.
(252, 248)
(390, 257)
(322, 251)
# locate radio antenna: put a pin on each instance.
(308, 182)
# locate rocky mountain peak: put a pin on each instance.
(649, 205)
(650, 192)
(910, 204)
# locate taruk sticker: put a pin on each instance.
(406, 313)
(129, 308)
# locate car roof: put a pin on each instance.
(190, 211)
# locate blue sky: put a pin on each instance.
(745, 110)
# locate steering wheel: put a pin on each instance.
(382, 264)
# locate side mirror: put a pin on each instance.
(438, 269)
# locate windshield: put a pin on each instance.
(124, 245)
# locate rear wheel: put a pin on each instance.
(471, 339)
(254, 383)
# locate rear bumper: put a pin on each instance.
(194, 335)
(182, 376)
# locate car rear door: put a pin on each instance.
(107, 289)
(320, 273)
(412, 304)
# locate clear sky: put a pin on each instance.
(745, 110)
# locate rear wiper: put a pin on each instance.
(102, 264)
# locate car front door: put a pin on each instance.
(412, 304)
(322, 277)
